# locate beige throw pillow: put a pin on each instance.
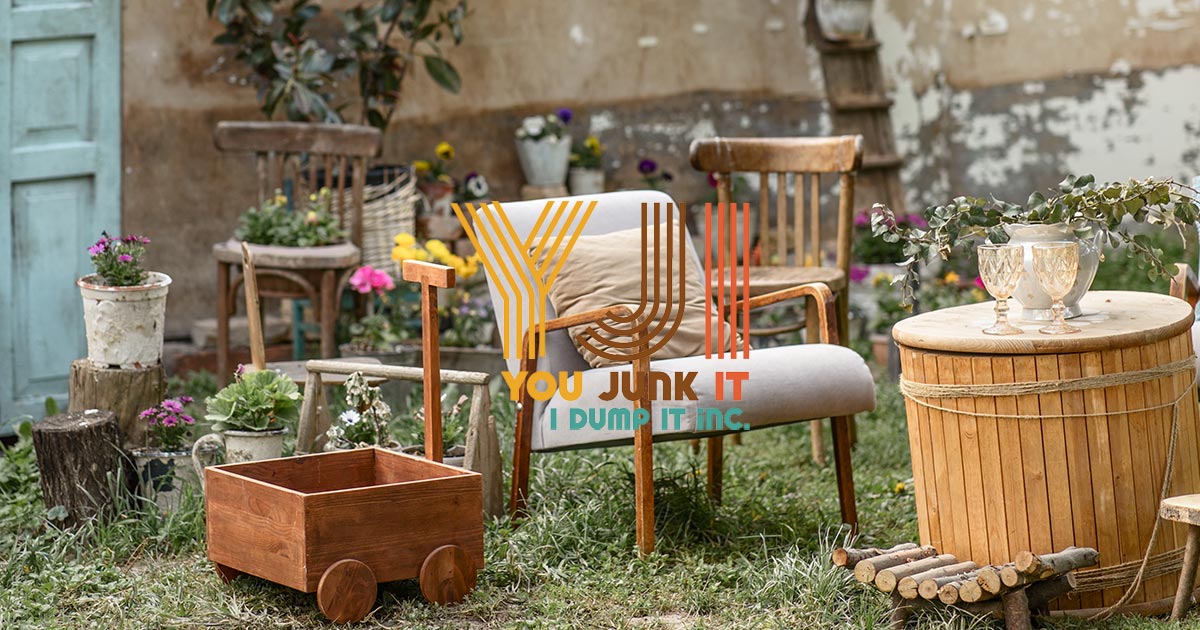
(606, 270)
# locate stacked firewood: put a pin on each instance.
(919, 577)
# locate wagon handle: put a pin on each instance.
(432, 277)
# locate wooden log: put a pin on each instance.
(901, 612)
(1015, 607)
(989, 579)
(866, 569)
(1010, 577)
(949, 594)
(848, 557)
(971, 591)
(909, 587)
(80, 461)
(1067, 560)
(125, 392)
(887, 579)
(930, 588)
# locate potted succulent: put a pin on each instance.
(273, 223)
(587, 168)
(364, 422)
(251, 416)
(123, 304)
(544, 148)
(1080, 209)
(164, 466)
(842, 20)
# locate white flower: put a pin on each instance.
(477, 186)
(534, 125)
(350, 417)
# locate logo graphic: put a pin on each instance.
(738, 296)
(512, 264)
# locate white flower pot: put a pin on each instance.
(124, 324)
(1035, 302)
(545, 160)
(844, 19)
(163, 476)
(240, 446)
(586, 181)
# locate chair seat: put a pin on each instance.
(340, 256)
(787, 384)
(765, 280)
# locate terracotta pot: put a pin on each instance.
(544, 161)
(124, 324)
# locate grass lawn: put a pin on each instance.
(758, 560)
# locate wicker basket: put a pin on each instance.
(388, 209)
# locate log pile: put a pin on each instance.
(918, 577)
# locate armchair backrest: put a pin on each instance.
(613, 212)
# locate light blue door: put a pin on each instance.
(60, 166)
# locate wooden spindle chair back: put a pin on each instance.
(296, 151)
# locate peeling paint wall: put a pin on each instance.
(1006, 96)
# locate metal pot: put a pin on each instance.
(240, 446)
(1035, 303)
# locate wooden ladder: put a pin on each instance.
(854, 89)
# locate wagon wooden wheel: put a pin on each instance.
(447, 575)
(347, 591)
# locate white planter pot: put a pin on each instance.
(1035, 302)
(124, 324)
(164, 476)
(586, 181)
(545, 161)
(240, 447)
(844, 19)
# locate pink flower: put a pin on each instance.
(382, 281)
(858, 273)
(862, 220)
(172, 405)
(979, 282)
(367, 279)
(125, 258)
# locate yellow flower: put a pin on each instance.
(438, 249)
(401, 253)
(404, 239)
(312, 197)
(978, 295)
(445, 178)
(593, 143)
(280, 200)
(445, 151)
(900, 487)
(880, 279)
(951, 278)
(421, 166)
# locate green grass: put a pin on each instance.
(760, 559)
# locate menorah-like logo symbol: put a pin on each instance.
(513, 263)
(632, 332)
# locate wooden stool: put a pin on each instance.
(1185, 509)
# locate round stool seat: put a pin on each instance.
(1181, 509)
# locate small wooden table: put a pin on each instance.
(1063, 463)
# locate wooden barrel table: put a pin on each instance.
(1038, 442)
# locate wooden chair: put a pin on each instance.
(295, 152)
(791, 249)
(787, 384)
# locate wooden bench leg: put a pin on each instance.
(1187, 575)
(716, 454)
(844, 471)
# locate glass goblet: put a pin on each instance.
(1000, 268)
(1056, 263)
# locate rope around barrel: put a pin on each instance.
(1151, 565)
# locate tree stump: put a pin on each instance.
(125, 392)
(77, 454)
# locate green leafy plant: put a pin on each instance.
(271, 223)
(1102, 211)
(377, 44)
(255, 401)
(410, 428)
(365, 420)
(118, 260)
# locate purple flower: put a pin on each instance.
(564, 115)
(187, 419)
(125, 258)
(862, 220)
(187, 400)
(148, 413)
(172, 405)
(647, 166)
(712, 180)
(169, 421)
(858, 273)
(241, 369)
(96, 249)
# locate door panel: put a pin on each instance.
(60, 111)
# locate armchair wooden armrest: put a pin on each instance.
(1184, 285)
(817, 291)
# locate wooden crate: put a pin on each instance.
(289, 520)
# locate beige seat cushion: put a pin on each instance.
(605, 270)
(787, 384)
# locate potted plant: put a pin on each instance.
(123, 305)
(544, 148)
(438, 186)
(273, 223)
(473, 188)
(652, 177)
(1080, 209)
(842, 20)
(251, 416)
(364, 422)
(587, 168)
(411, 429)
(164, 466)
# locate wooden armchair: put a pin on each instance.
(791, 249)
(787, 384)
(303, 154)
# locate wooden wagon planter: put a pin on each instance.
(339, 523)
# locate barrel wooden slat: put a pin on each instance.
(916, 447)
(1079, 467)
(940, 467)
(990, 465)
(972, 465)
(1087, 479)
(955, 471)
(1010, 453)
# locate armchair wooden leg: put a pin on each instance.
(329, 310)
(845, 473)
(643, 488)
(716, 461)
(223, 371)
(812, 334)
(520, 472)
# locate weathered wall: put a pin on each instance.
(1006, 96)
